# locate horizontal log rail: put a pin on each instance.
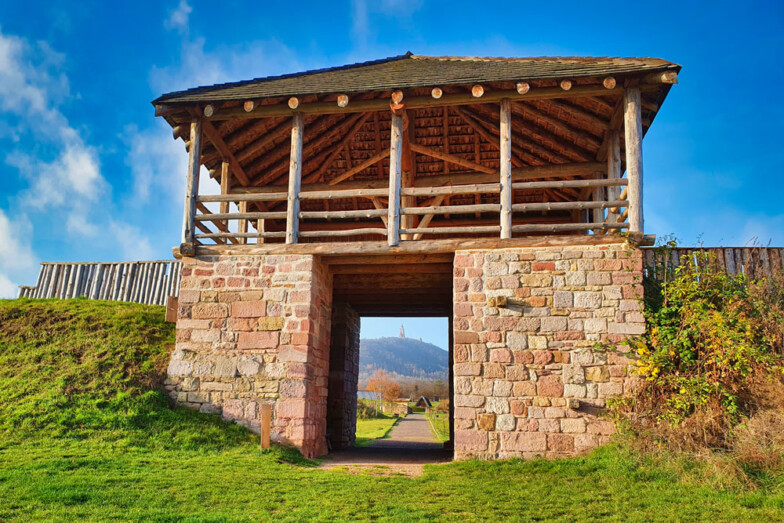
(565, 206)
(214, 235)
(480, 229)
(562, 227)
(451, 209)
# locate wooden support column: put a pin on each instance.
(613, 163)
(295, 177)
(395, 158)
(242, 225)
(632, 120)
(506, 168)
(192, 185)
(225, 184)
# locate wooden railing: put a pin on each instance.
(616, 215)
(756, 262)
(149, 282)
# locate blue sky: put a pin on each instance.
(431, 330)
(88, 173)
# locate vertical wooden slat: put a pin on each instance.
(395, 182)
(41, 280)
(505, 144)
(225, 183)
(192, 182)
(633, 137)
(242, 225)
(295, 179)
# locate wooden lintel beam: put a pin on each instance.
(359, 168)
(435, 153)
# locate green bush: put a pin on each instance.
(711, 355)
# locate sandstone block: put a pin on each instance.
(209, 311)
(502, 388)
(524, 441)
(553, 324)
(257, 340)
(270, 324)
(505, 422)
(467, 369)
(562, 443)
(597, 374)
(631, 329)
(486, 421)
(516, 340)
(469, 401)
(573, 425)
(574, 391)
(466, 440)
(501, 356)
(208, 408)
(497, 405)
(587, 300)
(248, 366)
(550, 386)
(573, 374)
(563, 299)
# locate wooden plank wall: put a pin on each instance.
(149, 282)
(756, 262)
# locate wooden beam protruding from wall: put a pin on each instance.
(295, 178)
(633, 139)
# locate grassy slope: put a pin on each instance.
(83, 435)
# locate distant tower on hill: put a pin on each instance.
(402, 331)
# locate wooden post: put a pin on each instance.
(242, 226)
(295, 178)
(613, 163)
(632, 120)
(395, 164)
(266, 425)
(506, 168)
(225, 183)
(408, 166)
(192, 182)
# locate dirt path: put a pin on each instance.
(405, 451)
(412, 432)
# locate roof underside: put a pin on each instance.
(410, 70)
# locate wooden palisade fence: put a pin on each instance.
(148, 282)
(756, 262)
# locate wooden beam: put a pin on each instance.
(380, 104)
(613, 163)
(406, 248)
(355, 123)
(395, 158)
(215, 139)
(295, 178)
(192, 183)
(359, 168)
(425, 222)
(457, 160)
(409, 169)
(519, 174)
(505, 132)
(633, 139)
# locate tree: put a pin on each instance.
(383, 385)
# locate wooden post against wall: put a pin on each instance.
(506, 168)
(395, 159)
(632, 120)
(192, 183)
(295, 179)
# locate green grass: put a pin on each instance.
(371, 429)
(439, 424)
(85, 434)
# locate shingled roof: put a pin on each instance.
(411, 70)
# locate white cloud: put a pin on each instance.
(178, 18)
(158, 163)
(17, 260)
(135, 246)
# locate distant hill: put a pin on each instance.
(404, 357)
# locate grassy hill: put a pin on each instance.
(85, 433)
(405, 357)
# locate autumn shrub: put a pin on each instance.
(711, 364)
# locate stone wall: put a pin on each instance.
(528, 378)
(255, 329)
(343, 377)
